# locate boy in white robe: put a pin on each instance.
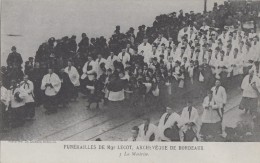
(211, 122)
(220, 97)
(27, 87)
(147, 130)
(251, 89)
(110, 61)
(5, 103)
(167, 121)
(189, 119)
(160, 40)
(129, 50)
(146, 48)
(17, 104)
(51, 85)
(89, 69)
(74, 78)
(124, 57)
(99, 61)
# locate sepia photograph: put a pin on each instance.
(130, 70)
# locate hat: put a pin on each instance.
(13, 48)
(197, 51)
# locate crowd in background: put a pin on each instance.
(181, 55)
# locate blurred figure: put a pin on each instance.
(135, 132)
(14, 58)
(251, 89)
(147, 130)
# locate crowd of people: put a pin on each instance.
(181, 56)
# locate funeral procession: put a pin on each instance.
(83, 71)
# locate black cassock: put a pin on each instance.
(66, 90)
(36, 77)
(98, 93)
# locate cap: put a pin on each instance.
(13, 48)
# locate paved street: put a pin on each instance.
(113, 123)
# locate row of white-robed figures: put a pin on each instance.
(188, 126)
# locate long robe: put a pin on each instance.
(174, 117)
(27, 88)
(145, 134)
(54, 80)
(116, 90)
(73, 75)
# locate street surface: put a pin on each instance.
(112, 123)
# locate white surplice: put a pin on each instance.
(73, 75)
(174, 117)
(54, 80)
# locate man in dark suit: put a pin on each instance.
(14, 58)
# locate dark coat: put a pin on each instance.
(14, 58)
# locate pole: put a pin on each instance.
(205, 6)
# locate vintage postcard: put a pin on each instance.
(130, 81)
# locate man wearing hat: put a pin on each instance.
(29, 67)
(167, 121)
(83, 44)
(14, 58)
(51, 84)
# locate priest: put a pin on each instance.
(51, 84)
